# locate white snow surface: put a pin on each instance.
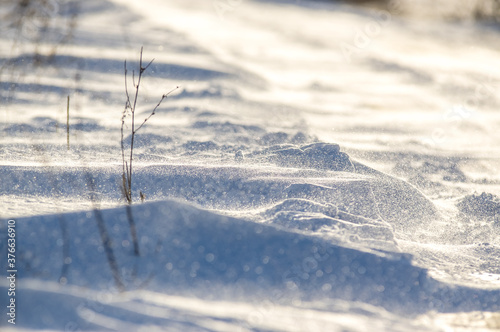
(322, 167)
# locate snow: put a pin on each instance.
(323, 167)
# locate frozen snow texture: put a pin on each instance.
(257, 220)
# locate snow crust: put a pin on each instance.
(322, 168)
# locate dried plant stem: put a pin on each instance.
(67, 124)
(127, 159)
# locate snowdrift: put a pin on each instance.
(190, 251)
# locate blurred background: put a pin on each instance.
(483, 10)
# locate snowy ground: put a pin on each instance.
(322, 168)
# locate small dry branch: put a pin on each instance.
(128, 156)
(129, 110)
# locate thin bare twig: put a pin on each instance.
(141, 71)
(125, 173)
(127, 163)
(156, 107)
(67, 125)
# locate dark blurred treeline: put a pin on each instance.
(479, 10)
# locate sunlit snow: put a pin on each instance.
(322, 167)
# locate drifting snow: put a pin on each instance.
(255, 220)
